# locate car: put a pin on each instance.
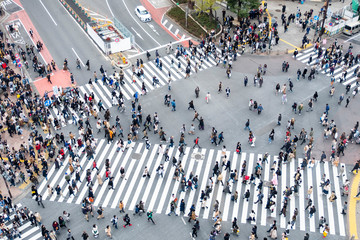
(143, 14)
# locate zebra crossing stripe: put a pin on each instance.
(117, 176)
(338, 203)
(228, 196)
(204, 181)
(292, 183)
(329, 204)
(105, 100)
(302, 212)
(265, 191)
(83, 175)
(273, 214)
(197, 173)
(102, 172)
(189, 170)
(209, 200)
(160, 181)
(171, 67)
(319, 192)
(255, 206)
(141, 183)
(221, 188)
(127, 178)
(283, 188)
(58, 174)
(132, 182)
(315, 189)
(78, 184)
(250, 165)
(151, 180)
(163, 78)
(238, 189)
(116, 180)
(128, 84)
(176, 185)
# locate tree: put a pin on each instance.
(243, 7)
(207, 6)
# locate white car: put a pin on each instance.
(143, 14)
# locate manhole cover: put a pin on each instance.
(277, 10)
(136, 156)
(197, 156)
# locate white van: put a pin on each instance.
(352, 28)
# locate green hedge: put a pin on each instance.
(193, 28)
(205, 21)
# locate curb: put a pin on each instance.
(74, 14)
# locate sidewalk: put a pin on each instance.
(293, 37)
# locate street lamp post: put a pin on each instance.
(6, 184)
(325, 16)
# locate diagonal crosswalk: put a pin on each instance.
(26, 230)
(156, 191)
(310, 58)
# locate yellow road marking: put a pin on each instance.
(307, 46)
(288, 43)
(352, 206)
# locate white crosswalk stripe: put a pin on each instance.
(27, 231)
(304, 57)
(156, 191)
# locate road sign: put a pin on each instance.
(316, 18)
(47, 103)
(18, 60)
(330, 24)
(19, 65)
(17, 55)
(117, 39)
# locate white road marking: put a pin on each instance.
(165, 22)
(137, 33)
(48, 12)
(109, 8)
(139, 24)
(170, 27)
(176, 32)
(352, 38)
(78, 57)
(159, 47)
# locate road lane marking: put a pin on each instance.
(48, 12)
(352, 38)
(78, 57)
(106, 58)
(109, 8)
(137, 33)
(159, 47)
(139, 24)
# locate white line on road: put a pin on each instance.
(109, 8)
(78, 57)
(162, 46)
(48, 12)
(27, 32)
(139, 23)
(182, 218)
(106, 58)
(137, 33)
(352, 37)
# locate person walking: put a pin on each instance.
(247, 125)
(196, 142)
(114, 221)
(126, 219)
(227, 91)
(69, 235)
(108, 231)
(149, 215)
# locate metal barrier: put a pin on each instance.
(124, 31)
